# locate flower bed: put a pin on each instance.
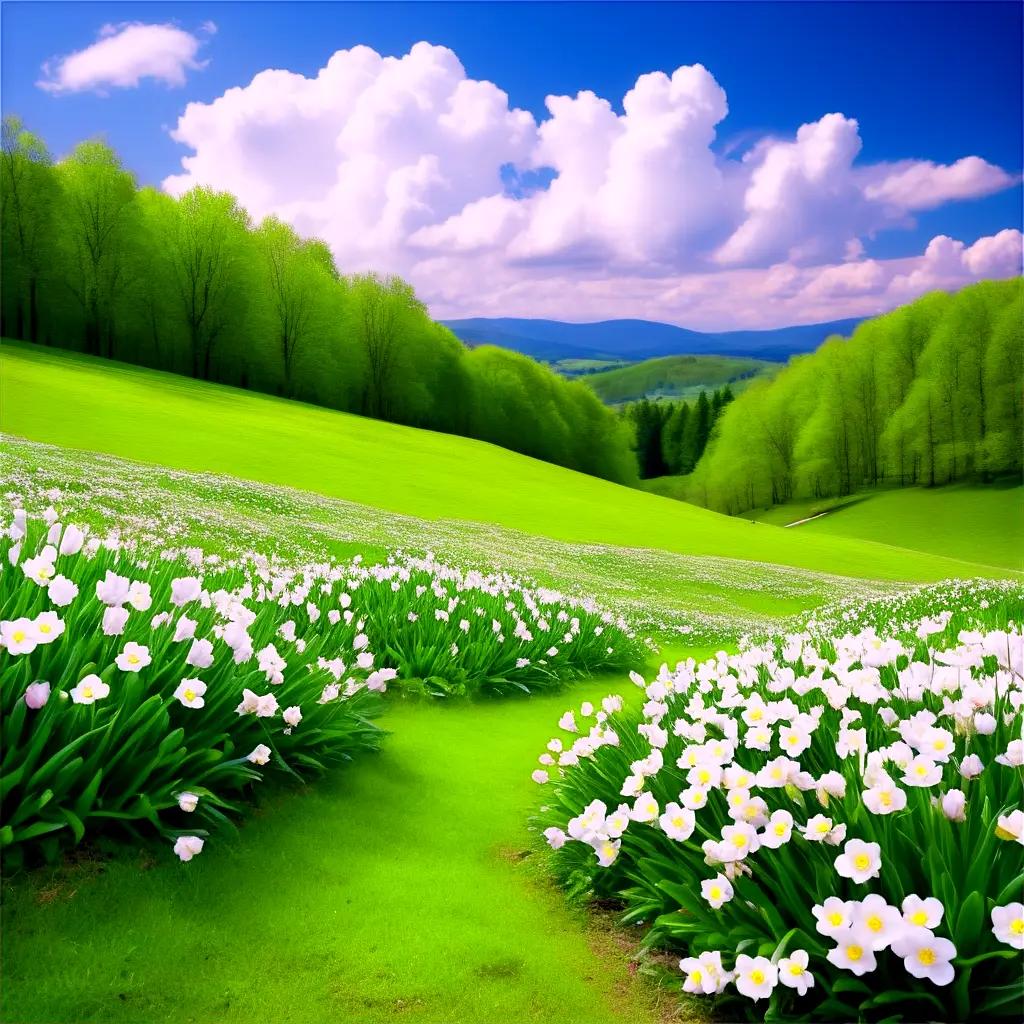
(148, 687)
(826, 827)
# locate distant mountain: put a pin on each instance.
(552, 340)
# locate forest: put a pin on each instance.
(927, 394)
(91, 262)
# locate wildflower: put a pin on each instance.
(778, 830)
(587, 825)
(926, 956)
(1011, 826)
(89, 690)
(568, 722)
(607, 850)
(190, 693)
(793, 972)
(922, 913)
(48, 627)
(185, 589)
(737, 841)
(185, 629)
(704, 974)
(540, 776)
(1008, 924)
(187, 847)
(260, 755)
(1014, 756)
(292, 715)
(19, 636)
(817, 828)
(113, 590)
(852, 953)
(878, 922)
(555, 837)
(677, 822)
(954, 805)
(72, 541)
(716, 891)
(200, 654)
(62, 591)
(971, 766)
(756, 976)
(922, 771)
(115, 618)
(134, 658)
(37, 694)
(645, 808)
(859, 861)
(834, 916)
(885, 798)
(188, 801)
(39, 570)
(139, 596)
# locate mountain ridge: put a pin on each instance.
(552, 340)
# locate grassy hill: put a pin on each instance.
(675, 376)
(80, 402)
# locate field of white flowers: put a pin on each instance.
(147, 687)
(824, 826)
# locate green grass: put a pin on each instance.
(79, 402)
(978, 523)
(675, 376)
(398, 889)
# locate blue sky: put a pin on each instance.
(928, 82)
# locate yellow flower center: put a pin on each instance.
(1017, 926)
(757, 977)
(792, 738)
(921, 770)
(885, 798)
(190, 695)
(739, 840)
(875, 923)
(87, 692)
(756, 714)
(919, 917)
(926, 956)
(677, 821)
(822, 827)
(19, 636)
(133, 659)
(703, 775)
(796, 970)
(45, 627)
(862, 862)
(780, 829)
(715, 892)
(835, 918)
(695, 977)
(854, 953)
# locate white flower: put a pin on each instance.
(37, 694)
(62, 591)
(200, 654)
(607, 850)
(39, 570)
(292, 715)
(568, 722)
(716, 891)
(922, 913)
(115, 618)
(879, 922)
(113, 589)
(971, 766)
(704, 974)
(190, 692)
(922, 771)
(817, 828)
(926, 956)
(139, 596)
(777, 830)
(853, 953)
(859, 860)
(19, 636)
(793, 972)
(539, 776)
(364, 659)
(756, 976)
(555, 837)
(834, 916)
(185, 589)
(1008, 924)
(954, 805)
(1014, 756)
(645, 808)
(260, 755)
(885, 798)
(72, 541)
(48, 627)
(1011, 826)
(186, 629)
(89, 690)
(134, 658)
(187, 847)
(677, 822)
(188, 801)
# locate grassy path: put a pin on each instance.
(395, 890)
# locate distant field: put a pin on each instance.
(676, 377)
(980, 524)
(576, 367)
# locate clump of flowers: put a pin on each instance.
(830, 826)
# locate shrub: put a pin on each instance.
(827, 825)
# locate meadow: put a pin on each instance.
(410, 881)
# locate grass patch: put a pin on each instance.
(676, 377)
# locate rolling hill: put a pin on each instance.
(675, 377)
(97, 405)
(552, 340)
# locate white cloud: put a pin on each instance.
(125, 54)
(398, 163)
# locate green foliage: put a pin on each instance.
(190, 285)
(927, 394)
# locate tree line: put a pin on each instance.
(930, 393)
(92, 262)
(670, 437)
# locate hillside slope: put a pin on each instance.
(674, 376)
(80, 402)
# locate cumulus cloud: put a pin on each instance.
(402, 164)
(123, 55)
